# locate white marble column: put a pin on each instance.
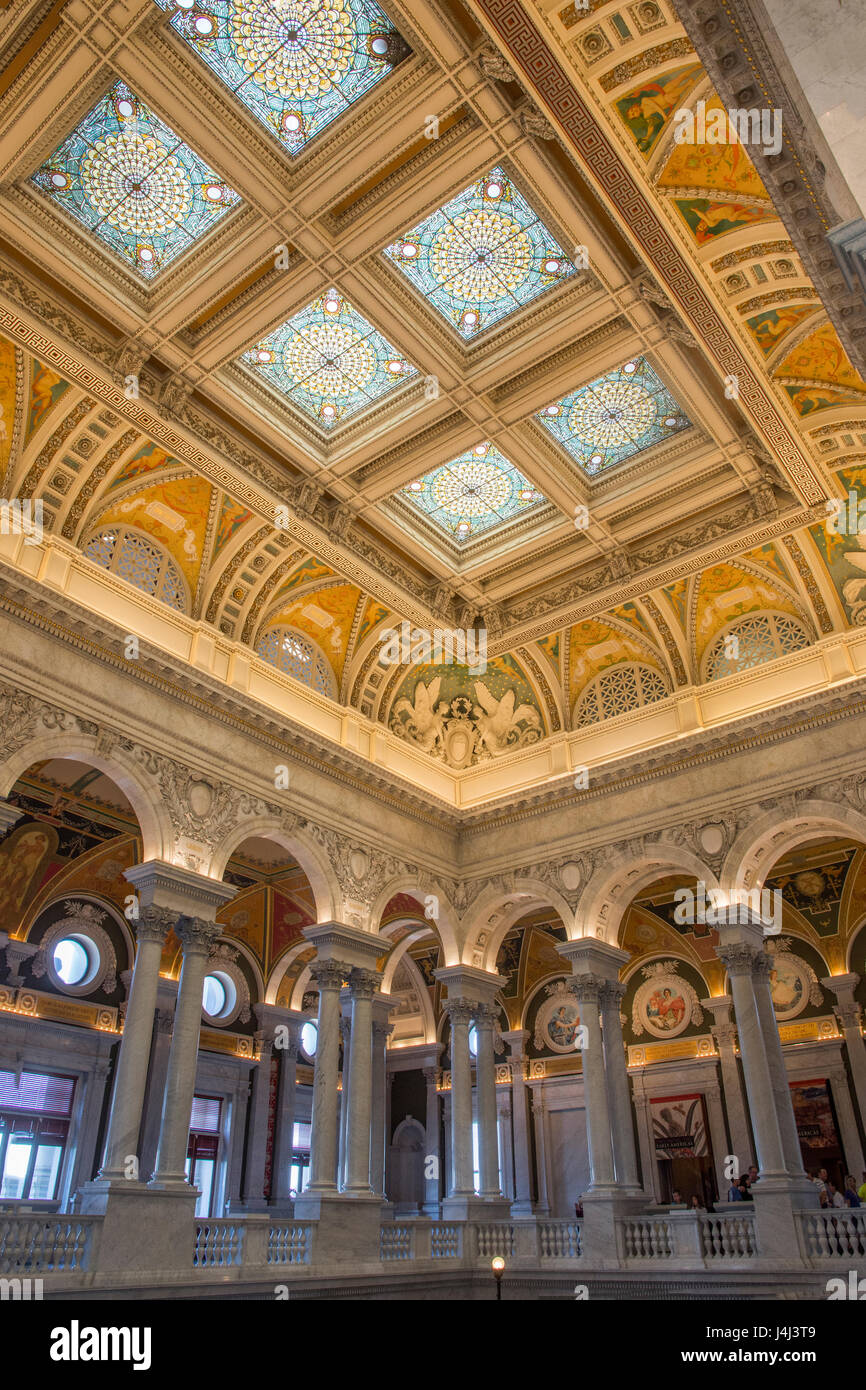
(197, 936)
(484, 1016)
(539, 1113)
(328, 975)
(345, 1040)
(127, 1102)
(382, 1030)
(506, 1141)
(622, 1124)
(776, 1064)
(461, 1184)
(587, 990)
(724, 1032)
(432, 1142)
(363, 984)
(649, 1162)
(520, 1120)
(284, 1126)
(849, 1015)
(269, 1018)
(738, 959)
(166, 1003)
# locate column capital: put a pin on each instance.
(154, 924)
(843, 986)
(363, 984)
(431, 1075)
(719, 1005)
(611, 995)
(485, 1016)
(762, 966)
(459, 1010)
(328, 974)
(197, 935)
(590, 956)
(738, 958)
(588, 989)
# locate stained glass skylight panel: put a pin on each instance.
(295, 64)
(126, 177)
(615, 417)
(473, 493)
(482, 256)
(329, 361)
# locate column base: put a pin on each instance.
(347, 1230)
(777, 1200)
(462, 1207)
(142, 1230)
(523, 1208)
(603, 1206)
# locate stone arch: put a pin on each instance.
(281, 967)
(495, 912)
(397, 956)
(612, 889)
(320, 875)
(762, 843)
(444, 925)
(140, 789)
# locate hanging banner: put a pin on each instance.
(816, 1123)
(679, 1126)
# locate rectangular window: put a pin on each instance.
(34, 1127)
(203, 1150)
(299, 1176)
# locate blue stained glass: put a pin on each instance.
(473, 494)
(615, 417)
(126, 177)
(295, 64)
(482, 256)
(329, 361)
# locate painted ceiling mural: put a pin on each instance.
(474, 265)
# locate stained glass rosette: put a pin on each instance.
(482, 256)
(329, 361)
(125, 176)
(295, 64)
(474, 493)
(615, 417)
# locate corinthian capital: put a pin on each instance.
(459, 1011)
(328, 974)
(611, 995)
(155, 923)
(363, 984)
(738, 960)
(587, 989)
(197, 934)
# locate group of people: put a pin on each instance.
(741, 1190)
(829, 1194)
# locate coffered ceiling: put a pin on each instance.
(416, 313)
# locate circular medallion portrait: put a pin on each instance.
(663, 1006)
(789, 985)
(557, 1022)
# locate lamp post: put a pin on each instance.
(497, 1264)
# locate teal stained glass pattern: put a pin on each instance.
(614, 418)
(126, 177)
(482, 256)
(473, 494)
(295, 64)
(329, 361)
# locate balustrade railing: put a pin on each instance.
(834, 1234)
(493, 1240)
(36, 1244)
(725, 1236)
(647, 1238)
(396, 1243)
(218, 1243)
(559, 1240)
(446, 1242)
(289, 1243)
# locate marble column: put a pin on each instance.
(127, 1102)
(484, 1017)
(166, 1003)
(792, 1153)
(520, 1121)
(363, 984)
(588, 991)
(197, 936)
(849, 1016)
(269, 1018)
(539, 1114)
(506, 1141)
(724, 1032)
(739, 959)
(433, 1143)
(461, 1184)
(646, 1140)
(382, 1029)
(328, 975)
(345, 1040)
(622, 1124)
(287, 1046)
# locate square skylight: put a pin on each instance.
(472, 494)
(482, 256)
(126, 177)
(615, 417)
(295, 64)
(329, 361)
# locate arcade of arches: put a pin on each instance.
(326, 953)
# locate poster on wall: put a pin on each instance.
(679, 1126)
(816, 1123)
